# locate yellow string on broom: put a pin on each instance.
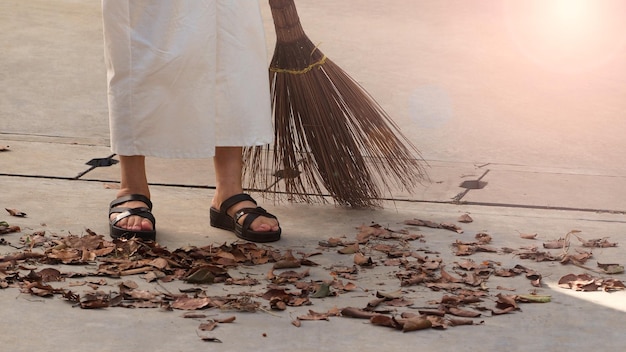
(320, 62)
(299, 72)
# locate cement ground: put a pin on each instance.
(546, 138)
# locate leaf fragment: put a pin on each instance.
(414, 324)
(322, 291)
(611, 269)
(15, 212)
(465, 218)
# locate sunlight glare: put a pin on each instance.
(567, 35)
(569, 13)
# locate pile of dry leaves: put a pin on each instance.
(38, 268)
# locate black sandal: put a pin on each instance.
(124, 212)
(221, 219)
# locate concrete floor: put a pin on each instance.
(462, 84)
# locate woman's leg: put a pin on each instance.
(228, 172)
(133, 181)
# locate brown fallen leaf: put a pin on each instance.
(459, 321)
(418, 222)
(205, 274)
(463, 312)
(556, 244)
(95, 300)
(465, 218)
(362, 260)
(534, 277)
(209, 338)
(312, 315)
(367, 232)
(451, 227)
(276, 293)
(208, 326)
(445, 277)
(287, 264)
(49, 275)
(506, 301)
(588, 283)
(331, 242)
(464, 249)
(597, 242)
(528, 236)
(16, 213)
(357, 313)
(387, 321)
(21, 256)
(416, 323)
(226, 320)
(189, 303)
(579, 258)
(483, 238)
(371, 305)
(194, 315)
(467, 264)
(349, 249)
(502, 288)
(5, 228)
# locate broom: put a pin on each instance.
(330, 134)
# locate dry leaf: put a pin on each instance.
(6, 228)
(451, 227)
(331, 242)
(361, 260)
(384, 320)
(226, 320)
(314, 316)
(611, 269)
(465, 218)
(50, 275)
(208, 326)
(357, 313)
(194, 315)
(16, 213)
(205, 274)
(556, 244)
(322, 291)
(350, 249)
(483, 238)
(463, 312)
(597, 243)
(287, 264)
(464, 249)
(417, 323)
(188, 303)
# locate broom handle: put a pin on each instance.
(286, 21)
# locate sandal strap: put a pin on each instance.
(131, 197)
(252, 213)
(237, 198)
(126, 212)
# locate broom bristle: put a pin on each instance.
(330, 134)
